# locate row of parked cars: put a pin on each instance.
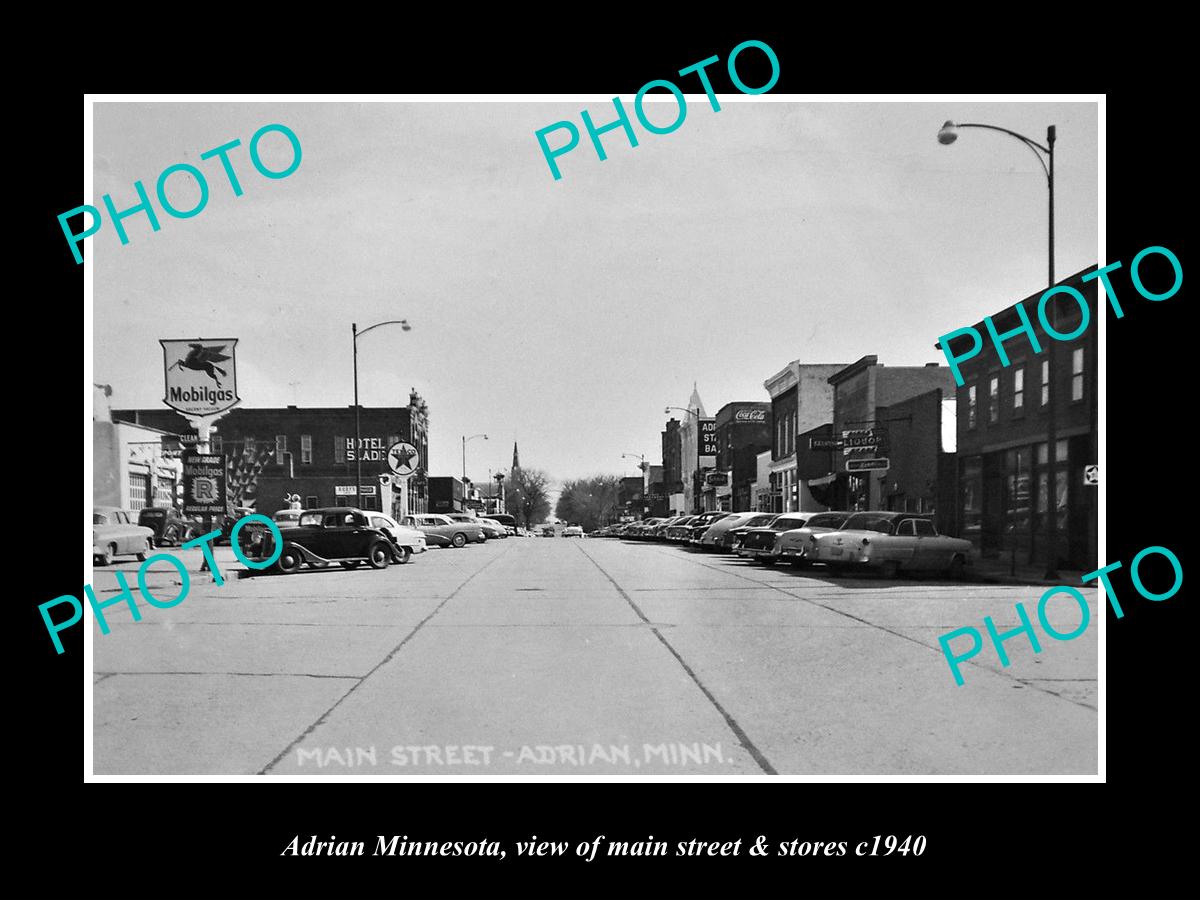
(314, 537)
(885, 541)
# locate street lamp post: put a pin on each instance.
(948, 134)
(464, 451)
(355, 333)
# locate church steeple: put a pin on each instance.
(695, 403)
(516, 459)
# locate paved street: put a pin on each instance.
(565, 656)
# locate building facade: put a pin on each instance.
(743, 431)
(1011, 494)
(133, 466)
(801, 399)
(672, 474)
(862, 392)
(310, 452)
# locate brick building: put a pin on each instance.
(862, 393)
(801, 399)
(312, 451)
(1005, 418)
(744, 430)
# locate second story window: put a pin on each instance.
(1077, 374)
(339, 449)
(306, 449)
(280, 449)
(971, 406)
(1018, 389)
(994, 399)
(1045, 382)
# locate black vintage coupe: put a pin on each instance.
(322, 536)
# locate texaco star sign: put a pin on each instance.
(403, 459)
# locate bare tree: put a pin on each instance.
(526, 497)
(589, 502)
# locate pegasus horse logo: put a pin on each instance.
(203, 359)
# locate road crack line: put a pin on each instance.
(383, 662)
(743, 738)
(883, 628)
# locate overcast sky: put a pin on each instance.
(566, 314)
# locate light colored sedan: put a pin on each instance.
(407, 540)
(115, 533)
(573, 531)
(443, 531)
(792, 545)
(714, 537)
(890, 542)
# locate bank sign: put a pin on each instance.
(708, 438)
(200, 375)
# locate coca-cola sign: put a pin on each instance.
(750, 415)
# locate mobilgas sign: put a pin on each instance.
(203, 483)
(200, 375)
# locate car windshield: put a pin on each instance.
(827, 520)
(869, 522)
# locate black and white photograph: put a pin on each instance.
(700, 433)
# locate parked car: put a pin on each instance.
(114, 533)
(509, 522)
(890, 542)
(334, 534)
(792, 545)
(169, 526)
(573, 531)
(492, 528)
(407, 541)
(442, 531)
(468, 519)
(725, 533)
(700, 525)
(548, 531)
(759, 542)
(678, 529)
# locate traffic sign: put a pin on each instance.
(1091, 474)
(867, 465)
(403, 458)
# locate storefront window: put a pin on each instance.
(1060, 450)
(858, 492)
(1017, 484)
(1042, 454)
(972, 497)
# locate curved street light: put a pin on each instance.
(464, 455)
(947, 135)
(356, 334)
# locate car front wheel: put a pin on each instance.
(378, 555)
(402, 555)
(289, 561)
(459, 540)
